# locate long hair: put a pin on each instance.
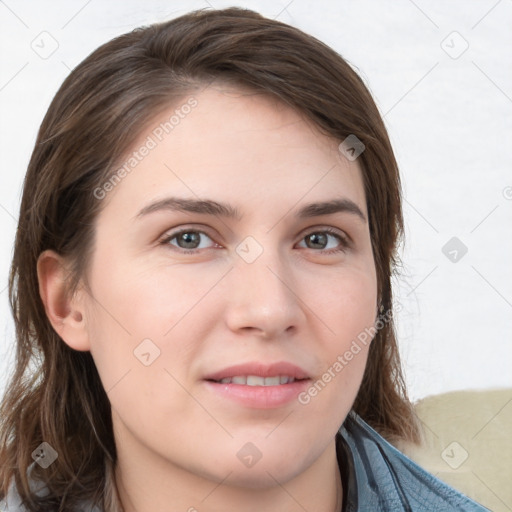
(54, 393)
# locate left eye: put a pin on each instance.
(316, 238)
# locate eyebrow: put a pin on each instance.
(211, 207)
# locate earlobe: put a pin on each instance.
(65, 313)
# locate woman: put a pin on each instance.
(210, 216)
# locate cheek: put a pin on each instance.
(349, 302)
(142, 300)
(349, 311)
(146, 320)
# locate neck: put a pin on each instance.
(161, 486)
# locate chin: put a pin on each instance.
(226, 467)
(263, 477)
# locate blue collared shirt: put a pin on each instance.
(379, 478)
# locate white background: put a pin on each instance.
(450, 122)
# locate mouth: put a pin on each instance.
(259, 386)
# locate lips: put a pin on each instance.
(259, 385)
(259, 374)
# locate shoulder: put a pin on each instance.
(381, 478)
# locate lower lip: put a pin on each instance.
(260, 397)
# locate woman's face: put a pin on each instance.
(186, 328)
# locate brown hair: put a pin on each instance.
(55, 393)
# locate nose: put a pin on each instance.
(263, 297)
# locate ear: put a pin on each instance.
(66, 314)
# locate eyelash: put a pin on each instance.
(343, 239)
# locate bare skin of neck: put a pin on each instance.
(318, 489)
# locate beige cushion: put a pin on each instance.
(468, 443)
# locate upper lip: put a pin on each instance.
(261, 370)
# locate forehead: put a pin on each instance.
(224, 141)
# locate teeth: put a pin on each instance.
(271, 381)
(255, 380)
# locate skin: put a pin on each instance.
(177, 441)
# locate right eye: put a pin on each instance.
(188, 241)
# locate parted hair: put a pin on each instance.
(54, 393)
